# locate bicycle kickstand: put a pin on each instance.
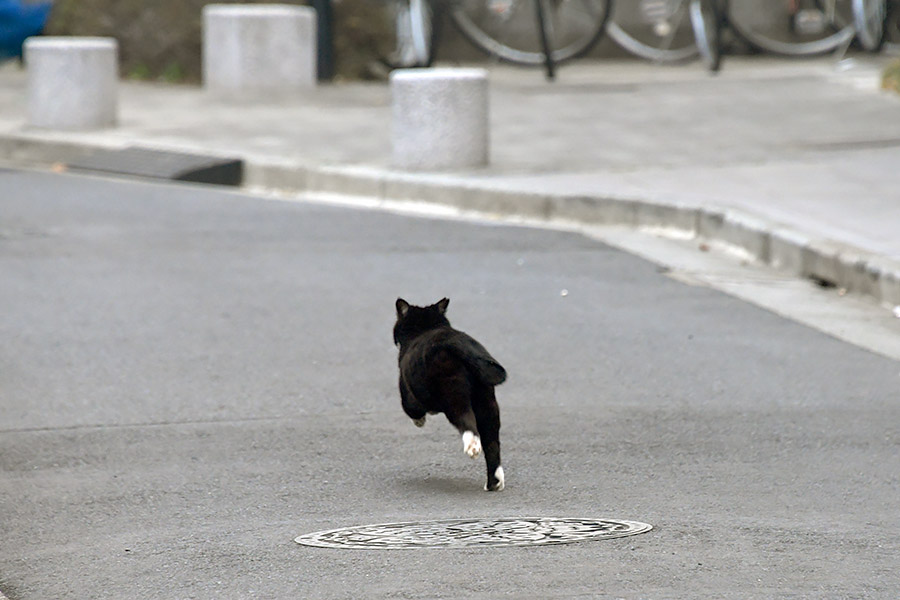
(549, 65)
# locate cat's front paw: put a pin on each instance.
(471, 444)
(419, 422)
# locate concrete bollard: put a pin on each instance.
(256, 49)
(440, 118)
(72, 82)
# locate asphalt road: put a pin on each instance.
(190, 378)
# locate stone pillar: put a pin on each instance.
(440, 118)
(72, 82)
(258, 49)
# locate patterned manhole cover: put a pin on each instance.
(467, 533)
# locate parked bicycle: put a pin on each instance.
(505, 28)
(526, 32)
(707, 20)
(878, 23)
(675, 30)
(869, 18)
(658, 30)
(788, 27)
(416, 29)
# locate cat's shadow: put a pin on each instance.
(459, 486)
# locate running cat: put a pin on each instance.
(443, 370)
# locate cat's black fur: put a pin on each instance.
(443, 370)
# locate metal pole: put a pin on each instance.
(545, 42)
(325, 39)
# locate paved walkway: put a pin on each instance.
(811, 145)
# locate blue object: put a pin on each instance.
(18, 21)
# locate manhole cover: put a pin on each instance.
(467, 533)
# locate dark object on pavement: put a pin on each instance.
(162, 164)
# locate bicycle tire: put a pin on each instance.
(779, 38)
(506, 29)
(664, 37)
(869, 18)
(416, 30)
(707, 22)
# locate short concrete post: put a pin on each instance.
(72, 82)
(256, 49)
(440, 118)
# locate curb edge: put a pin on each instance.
(782, 247)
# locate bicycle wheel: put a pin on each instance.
(707, 23)
(507, 29)
(793, 27)
(658, 30)
(868, 17)
(420, 24)
(414, 41)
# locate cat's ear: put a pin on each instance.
(402, 307)
(442, 305)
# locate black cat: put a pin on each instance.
(443, 370)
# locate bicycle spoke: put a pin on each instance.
(669, 39)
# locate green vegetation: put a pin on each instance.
(139, 71)
(173, 73)
(890, 79)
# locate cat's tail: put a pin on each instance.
(489, 371)
(484, 366)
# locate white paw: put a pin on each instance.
(471, 444)
(419, 422)
(501, 481)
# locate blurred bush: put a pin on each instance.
(161, 40)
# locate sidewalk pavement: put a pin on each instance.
(795, 162)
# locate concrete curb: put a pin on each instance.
(785, 248)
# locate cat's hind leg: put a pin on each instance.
(487, 413)
(451, 380)
(471, 443)
(464, 420)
